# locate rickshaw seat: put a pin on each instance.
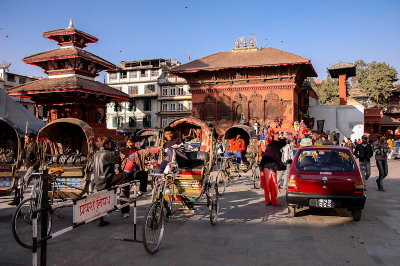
(195, 158)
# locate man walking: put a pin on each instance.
(364, 152)
(382, 150)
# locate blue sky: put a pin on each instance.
(325, 31)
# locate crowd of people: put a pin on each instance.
(277, 150)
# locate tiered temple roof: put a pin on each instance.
(70, 68)
(245, 59)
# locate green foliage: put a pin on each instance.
(377, 80)
(327, 91)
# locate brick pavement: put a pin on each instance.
(248, 233)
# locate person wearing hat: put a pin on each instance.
(364, 153)
(305, 142)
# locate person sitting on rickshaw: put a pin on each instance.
(237, 146)
(133, 162)
(174, 149)
(105, 176)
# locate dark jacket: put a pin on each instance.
(31, 155)
(272, 157)
(104, 162)
(363, 153)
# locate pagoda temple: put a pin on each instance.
(248, 84)
(70, 89)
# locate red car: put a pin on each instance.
(325, 177)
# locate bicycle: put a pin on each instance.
(153, 228)
(228, 166)
(22, 217)
(165, 200)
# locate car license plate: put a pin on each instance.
(325, 203)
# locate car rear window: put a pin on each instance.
(325, 161)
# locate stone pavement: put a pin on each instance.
(248, 233)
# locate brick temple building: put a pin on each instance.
(248, 83)
(70, 89)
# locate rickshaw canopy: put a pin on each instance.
(206, 133)
(250, 133)
(87, 130)
(17, 116)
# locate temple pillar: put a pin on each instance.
(342, 89)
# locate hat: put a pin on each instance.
(305, 142)
(365, 137)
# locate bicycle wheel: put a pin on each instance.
(22, 222)
(213, 204)
(256, 175)
(153, 229)
(221, 179)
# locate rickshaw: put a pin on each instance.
(11, 140)
(228, 166)
(68, 143)
(183, 187)
(149, 138)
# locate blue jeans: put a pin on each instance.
(383, 172)
(237, 153)
(365, 168)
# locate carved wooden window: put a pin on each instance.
(255, 112)
(209, 112)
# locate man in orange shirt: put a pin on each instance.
(237, 146)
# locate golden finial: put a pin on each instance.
(253, 41)
(236, 44)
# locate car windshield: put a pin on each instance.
(397, 143)
(325, 161)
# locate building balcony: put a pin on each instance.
(176, 97)
(172, 113)
(146, 95)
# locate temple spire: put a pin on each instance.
(71, 24)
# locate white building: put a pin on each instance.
(10, 80)
(174, 101)
(347, 120)
(139, 80)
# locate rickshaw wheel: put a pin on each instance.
(213, 203)
(221, 180)
(153, 229)
(22, 222)
(256, 177)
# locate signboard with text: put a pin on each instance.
(94, 205)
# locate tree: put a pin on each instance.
(327, 90)
(377, 79)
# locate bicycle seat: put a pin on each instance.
(56, 171)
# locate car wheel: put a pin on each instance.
(356, 213)
(292, 211)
